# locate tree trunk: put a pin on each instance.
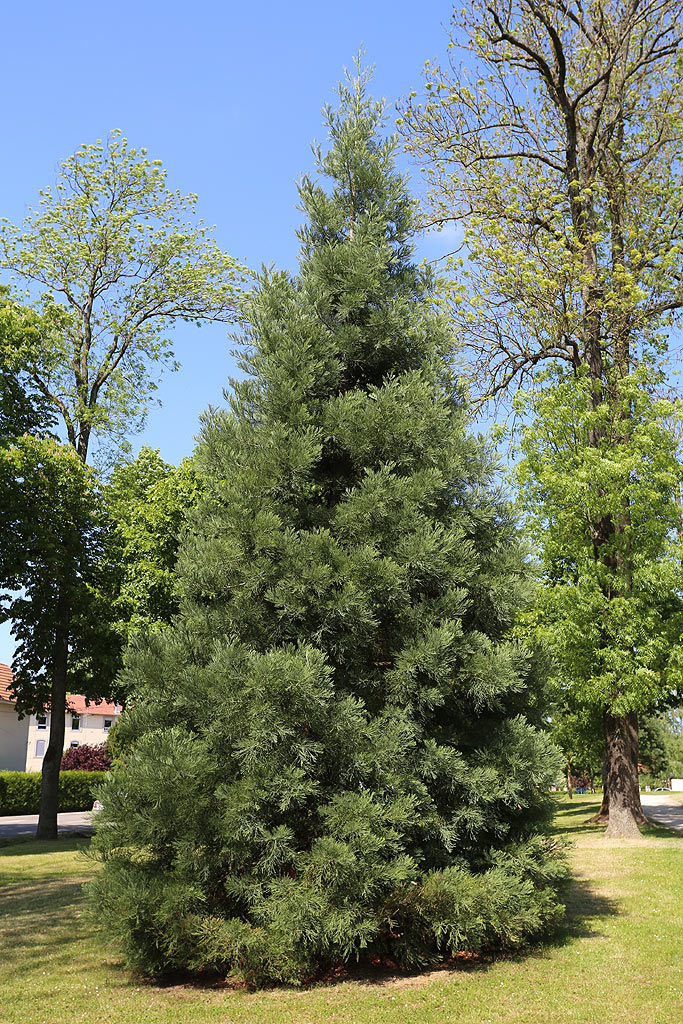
(569, 780)
(625, 812)
(619, 778)
(49, 791)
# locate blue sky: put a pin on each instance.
(228, 96)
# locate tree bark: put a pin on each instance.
(625, 811)
(49, 791)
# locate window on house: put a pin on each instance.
(42, 721)
(74, 743)
(107, 724)
(40, 748)
(75, 722)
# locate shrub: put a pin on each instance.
(87, 758)
(77, 789)
(119, 743)
(20, 791)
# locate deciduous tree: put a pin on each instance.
(114, 257)
(614, 622)
(555, 147)
(23, 410)
(52, 542)
(147, 502)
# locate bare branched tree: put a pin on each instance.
(557, 147)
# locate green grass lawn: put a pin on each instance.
(618, 958)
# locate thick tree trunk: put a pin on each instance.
(49, 792)
(625, 809)
(621, 808)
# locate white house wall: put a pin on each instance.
(91, 730)
(13, 738)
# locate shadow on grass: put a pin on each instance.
(575, 821)
(55, 898)
(657, 830)
(577, 811)
(25, 845)
(41, 921)
(578, 829)
(42, 918)
(585, 909)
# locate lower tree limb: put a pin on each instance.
(602, 817)
(49, 791)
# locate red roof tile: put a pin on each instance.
(75, 701)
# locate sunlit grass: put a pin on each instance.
(617, 959)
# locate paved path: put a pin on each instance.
(663, 808)
(25, 824)
(658, 806)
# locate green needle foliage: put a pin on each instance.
(334, 753)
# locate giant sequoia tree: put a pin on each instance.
(334, 750)
(554, 141)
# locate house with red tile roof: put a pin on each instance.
(86, 722)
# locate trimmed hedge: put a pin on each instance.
(20, 791)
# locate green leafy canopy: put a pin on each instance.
(114, 257)
(614, 622)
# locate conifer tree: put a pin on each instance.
(335, 754)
